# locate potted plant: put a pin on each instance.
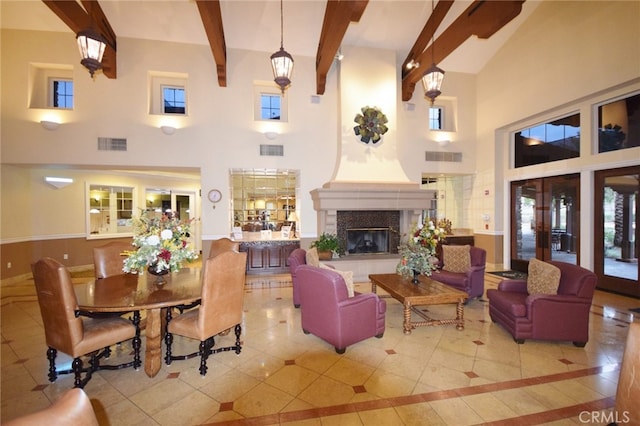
(327, 244)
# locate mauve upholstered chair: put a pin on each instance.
(327, 312)
(560, 317)
(471, 281)
(296, 258)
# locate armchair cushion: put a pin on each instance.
(543, 278)
(312, 258)
(346, 275)
(456, 258)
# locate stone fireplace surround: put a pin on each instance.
(372, 202)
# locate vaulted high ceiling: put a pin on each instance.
(467, 33)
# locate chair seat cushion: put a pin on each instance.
(186, 325)
(103, 332)
(455, 279)
(456, 258)
(508, 302)
(542, 278)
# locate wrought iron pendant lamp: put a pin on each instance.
(432, 79)
(282, 61)
(91, 46)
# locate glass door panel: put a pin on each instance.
(545, 220)
(616, 230)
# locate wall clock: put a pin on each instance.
(214, 196)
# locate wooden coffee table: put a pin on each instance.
(428, 292)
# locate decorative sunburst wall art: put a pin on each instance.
(371, 124)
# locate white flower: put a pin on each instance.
(166, 234)
(153, 240)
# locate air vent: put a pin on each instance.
(273, 150)
(112, 144)
(453, 157)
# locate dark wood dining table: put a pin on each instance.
(138, 292)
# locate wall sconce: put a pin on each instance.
(271, 135)
(49, 125)
(168, 130)
(444, 142)
(58, 182)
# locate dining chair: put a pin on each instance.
(221, 245)
(108, 259)
(107, 262)
(68, 332)
(221, 308)
(73, 408)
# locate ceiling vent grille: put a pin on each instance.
(452, 157)
(112, 144)
(272, 150)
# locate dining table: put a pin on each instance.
(142, 292)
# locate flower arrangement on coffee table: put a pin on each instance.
(418, 253)
(162, 244)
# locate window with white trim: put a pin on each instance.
(61, 93)
(269, 103)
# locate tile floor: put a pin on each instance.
(435, 376)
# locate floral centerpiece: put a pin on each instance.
(418, 253)
(162, 244)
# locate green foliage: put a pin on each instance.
(327, 242)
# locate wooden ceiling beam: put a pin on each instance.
(482, 18)
(78, 19)
(434, 21)
(337, 17)
(212, 21)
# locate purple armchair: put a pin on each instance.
(296, 258)
(327, 311)
(472, 281)
(563, 316)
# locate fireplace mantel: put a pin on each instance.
(406, 197)
(371, 196)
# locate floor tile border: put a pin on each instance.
(535, 418)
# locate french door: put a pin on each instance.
(616, 230)
(545, 223)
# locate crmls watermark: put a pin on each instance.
(601, 417)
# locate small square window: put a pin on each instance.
(268, 103)
(435, 118)
(173, 100)
(270, 106)
(61, 94)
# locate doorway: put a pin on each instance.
(616, 230)
(545, 223)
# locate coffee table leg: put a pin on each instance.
(460, 315)
(406, 323)
(152, 355)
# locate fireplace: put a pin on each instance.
(369, 231)
(367, 240)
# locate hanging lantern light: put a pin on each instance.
(282, 61)
(432, 79)
(91, 46)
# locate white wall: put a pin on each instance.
(219, 132)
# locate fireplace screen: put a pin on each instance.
(367, 240)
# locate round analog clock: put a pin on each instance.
(214, 195)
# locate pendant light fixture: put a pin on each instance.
(91, 46)
(282, 61)
(432, 79)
